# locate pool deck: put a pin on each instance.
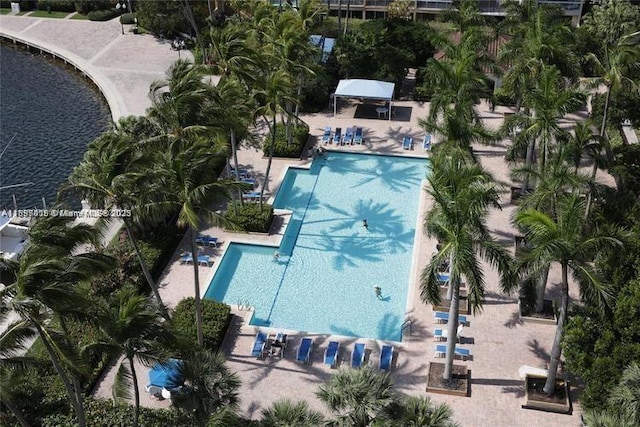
(501, 342)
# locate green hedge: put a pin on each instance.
(128, 19)
(249, 217)
(103, 413)
(57, 5)
(282, 147)
(86, 6)
(215, 321)
(102, 15)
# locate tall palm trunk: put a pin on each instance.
(556, 350)
(605, 112)
(346, 19)
(541, 289)
(78, 407)
(450, 286)
(234, 154)
(452, 326)
(145, 270)
(594, 172)
(136, 392)
(530, 158)
(339, 15)
(196, 283)
(16, 412)
(266, 173)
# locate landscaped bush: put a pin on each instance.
(282, 147)
(103, 413)
(102, 15)
(249, 217)
(215, 321)
(128, 270)
(86, 6)
(57, 5)
(128, 18)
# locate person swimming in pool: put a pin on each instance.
(365, 224)
(378, 291)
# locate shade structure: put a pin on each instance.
(366, 89)
(167, 375)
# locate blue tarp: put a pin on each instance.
(167, 374)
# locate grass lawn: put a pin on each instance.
(80, 17)
(5, 10)
(45, 14)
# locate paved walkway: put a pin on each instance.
(501, 342)
(122, 65)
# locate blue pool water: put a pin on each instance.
(323, 281)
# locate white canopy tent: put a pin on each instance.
(366, 89)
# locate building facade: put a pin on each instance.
(371, 9)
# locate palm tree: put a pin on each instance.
(458, 78)
(358, 396)
(414, 411)
(614, 67)
(611, 20)
(49, 271)
(111, 175)
(210, 386)
(132, 327)
(185, 109)
(550, 100)
(625, 397)
(12, 361)
(285, 413)
(462, 194)
(192, 189)
(563, 240)
(272, 95)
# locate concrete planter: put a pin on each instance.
(533, 400)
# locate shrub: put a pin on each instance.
(57, 5)
(215, 321)
(249, 217)
(102, 15)
(128, 270)
(282, 147)
(103, 413)
(128, 19)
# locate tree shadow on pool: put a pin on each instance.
(388, 326)
(385, 169)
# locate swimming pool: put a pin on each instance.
(329, 263)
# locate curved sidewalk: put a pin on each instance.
(122, 66)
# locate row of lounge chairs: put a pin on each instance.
(440, 350)
(407, 143)
(263, 346)
(352, 135)
(187, 258)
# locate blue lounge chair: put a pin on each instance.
(443, 277)
(426, 143)
(331, 354)
(253, 196)
(337, 136)
(407, 143)
(442, 317)
(204, 260)
(259, 345)
(348, 136)
(250, 181)
(441, 351)
(386, 356)
(357, 355)
(203, 240)
(441, 334)
(243, 173)
(326, 136)
(304, 350)
(186, 258)
(358, 138)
